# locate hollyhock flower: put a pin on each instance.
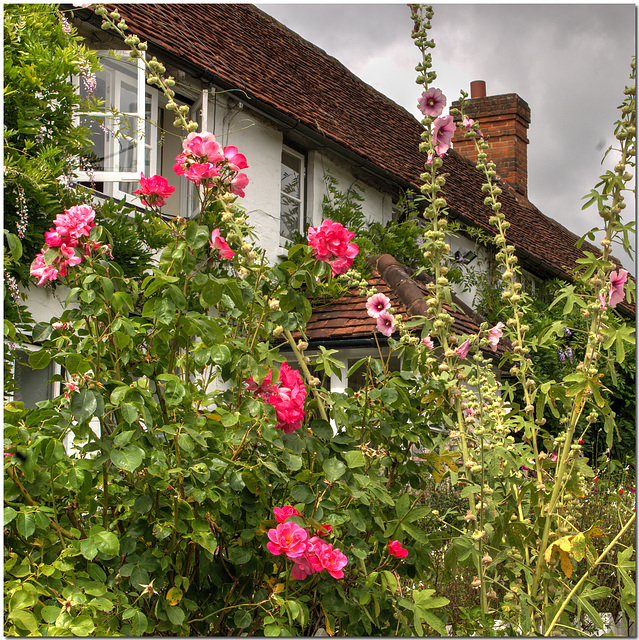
(494, 335)
(153, 191)
(218, 242)
(462, 349)
(428, 342)
(238, 183)
(40, 269)
(288, 538)
(386, 323)
(331, 243)
(203, 145)
(554, 456)
(235, 159)
(429, 160)
(325, 557)
(281, 514)
(468, 122)
(443, 134)
(376, 304)
(200, 172)
(432, 102)
(395, 549)
(75, 222)
(616, 293)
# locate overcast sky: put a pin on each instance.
(569, 62)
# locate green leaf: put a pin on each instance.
(39, 359)
(143, 504)
(303, 493)
(334, 469)
(50, 614)
(128, 459)
(24, 619)
(107, 543)
(84, 404)
(176, 615)
(25, 523)
(322, 429)
(41, 332)
(239, 555)
(242, 619)
(9, 514)
(139, 623)
(354, 459)
(88, 548)
(82, 626)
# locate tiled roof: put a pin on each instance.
(242, 48)
(346, 318)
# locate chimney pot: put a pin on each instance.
(478, 89)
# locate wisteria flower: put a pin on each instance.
(285, 512)
(443, 134)
(288, 538)
(218, 242)
(395, 549)
(462, 349)
(153, 191)
(325, 557)
(428, 342)
(432, 102)
(495, 334)
(386, 323)
(376, 304)
(616, 291)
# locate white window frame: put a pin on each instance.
(111, 178)
(302, 160)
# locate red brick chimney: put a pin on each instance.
(504, 121)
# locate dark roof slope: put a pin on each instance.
(245, 49)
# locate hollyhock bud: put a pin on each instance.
(395, 549)
(428, 342)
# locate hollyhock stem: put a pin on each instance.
(307, 374)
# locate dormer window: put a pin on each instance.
(291, 195)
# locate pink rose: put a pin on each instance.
(218, 242)
(203, 145)
(154, 190)
(264, 390)
(331, 243)
(238, 184)
(236, 160)
(285, 512)
(376, 304)
(200, 172)
(288, 538)
(45, 272)
(395, 549)
(75, 222)
(325, 557)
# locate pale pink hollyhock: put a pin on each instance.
(153, 191)
(238, 184)
(331, 243)
(495, 334)
(289, 399)
(218, 242)
(200, 172)
(443, 134)
(429, 160)
(204, 145)
(325, 557)
(75, 222)
(288, 538)
(395, 549)
(45, 272)
(616, 293)
(602, 301)
(462, 349)
(285, 512)
(386, 323)
(432, 102)
(235, 159)
(428, 342)
(376, 304)
(468, 122)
